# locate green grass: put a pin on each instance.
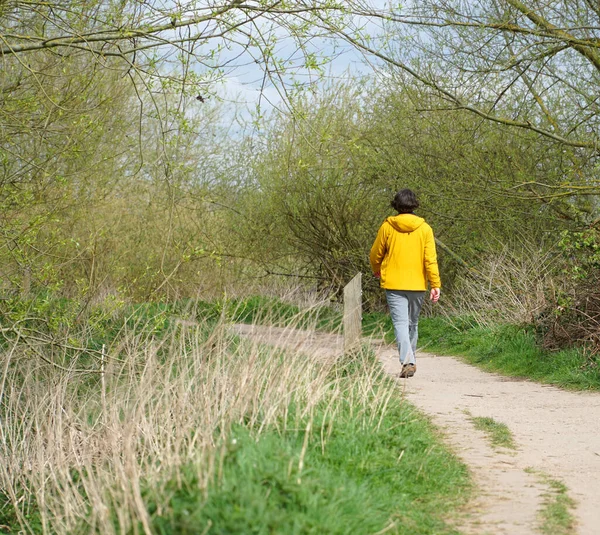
(510, 350)
(9, 521)
(361, 467)
(555, 516)
(398, 477)
(363, 480)
(269, 310)
(498, 433)
(363, 470)
(378, 325)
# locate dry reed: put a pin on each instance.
(511, 286)
(81, 448)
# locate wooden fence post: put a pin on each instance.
(353, 313)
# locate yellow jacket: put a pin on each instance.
(404, 253)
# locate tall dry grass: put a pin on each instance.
(512, 286)
(81, 447)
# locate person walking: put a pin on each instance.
(404, 258)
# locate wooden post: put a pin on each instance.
(353, 313)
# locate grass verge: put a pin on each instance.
(510, 350)
(391, 477)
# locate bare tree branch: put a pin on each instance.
(460, 104)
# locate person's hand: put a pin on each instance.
(434, 294)
(377, 275)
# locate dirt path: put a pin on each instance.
(557, 433)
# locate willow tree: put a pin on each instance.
(98, 95)
(531, 65)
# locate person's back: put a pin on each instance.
(403, 256)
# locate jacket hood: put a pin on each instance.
(405, 222)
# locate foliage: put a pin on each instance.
(465, 173)
(572, 318)
(533, 66)
(187, 426)
(94, 202)
(57, 159)
(315, 206)
(584, 248)
(327, 171)
(121, 176)
(144, 39)
(116, 155)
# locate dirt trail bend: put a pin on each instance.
(557, 433)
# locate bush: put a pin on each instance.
(572, 317)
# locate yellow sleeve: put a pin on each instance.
(378, 250)
(431, 264)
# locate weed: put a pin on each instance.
(498, 433)
(555, 516)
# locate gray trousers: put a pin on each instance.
(405, 307)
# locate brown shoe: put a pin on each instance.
(408, 370)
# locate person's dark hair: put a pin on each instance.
(405, 201)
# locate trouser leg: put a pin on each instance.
(415, 303)
(405, 307)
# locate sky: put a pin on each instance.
(245, 85)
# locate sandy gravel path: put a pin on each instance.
(557, 433)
